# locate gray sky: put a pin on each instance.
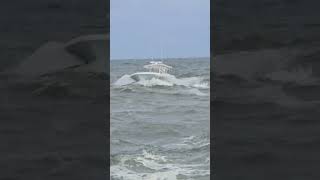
(141, 28)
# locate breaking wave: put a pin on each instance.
(164, 80)
(167, 84)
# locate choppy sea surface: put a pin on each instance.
(160, 127)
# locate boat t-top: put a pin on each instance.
(156, 69)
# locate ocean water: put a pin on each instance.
(160, 128)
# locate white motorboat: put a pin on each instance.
(156, 69)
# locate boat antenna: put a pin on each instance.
(161, 50)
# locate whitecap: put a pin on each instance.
(164, 80)
(124, 80)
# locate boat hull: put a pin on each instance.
(148, 76)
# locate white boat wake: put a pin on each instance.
(158, 76)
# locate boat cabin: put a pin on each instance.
(158, 67)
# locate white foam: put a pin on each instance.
(119, 172)
(164, 80)
(155, 157)
(124, 80)
(160, 168)
(190, 142)
(196, 82)
(154, 82)
(194, 91)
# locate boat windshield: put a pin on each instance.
(158, 67)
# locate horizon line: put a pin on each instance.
(200, 57)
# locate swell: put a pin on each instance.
(171, 85)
